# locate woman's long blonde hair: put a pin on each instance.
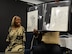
(12, 22)
(20, 31)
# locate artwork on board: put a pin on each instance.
(32, 20)
(58, 19)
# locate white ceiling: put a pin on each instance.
(33, 1)
(36, 1)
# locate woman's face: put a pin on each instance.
(17, 21)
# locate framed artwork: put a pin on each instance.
(32, 20)
(58, 19)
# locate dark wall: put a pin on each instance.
(9, 8)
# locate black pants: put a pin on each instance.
(47, 49)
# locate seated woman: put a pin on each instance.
(16, 36)
(49, 43)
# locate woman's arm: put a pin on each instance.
(7, 40)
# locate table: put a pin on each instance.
(66, 42)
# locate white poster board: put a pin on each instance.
(32, 20)
(59, 18)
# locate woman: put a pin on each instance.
(49, 43)
(16, 36)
